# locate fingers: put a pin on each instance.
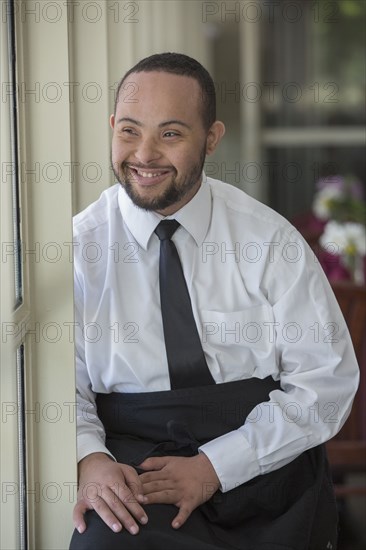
(155, 463)
(134, 483)
(116, 505)
(149, 477)
(114, 509)
(135, 496)
(178, 481)
(159, 472)
(78, 515)
(125, 506)
(113, 490)
(161, 497)
(181, 517)
(109, 508)
(158, 486)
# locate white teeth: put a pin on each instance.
(148, 174)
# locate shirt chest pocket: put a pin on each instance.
(243, 339)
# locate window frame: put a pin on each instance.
(44, 382)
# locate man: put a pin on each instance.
(229, 454)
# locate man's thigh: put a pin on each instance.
(156, 535)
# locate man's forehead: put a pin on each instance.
(146, 76)
(158, 82)
(170, 93)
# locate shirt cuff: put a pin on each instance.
(88, 444)
(234, 461)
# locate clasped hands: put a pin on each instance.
(117, 493)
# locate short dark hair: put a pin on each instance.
(180, 64)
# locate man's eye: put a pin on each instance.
(171, 134)
(130, 131)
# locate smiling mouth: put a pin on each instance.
(145, 174)
(148, 176)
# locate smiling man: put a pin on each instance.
(204, 394)
(159, 161)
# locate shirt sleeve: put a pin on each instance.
(317, 369)
(90, 430)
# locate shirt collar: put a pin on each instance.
(195, 216)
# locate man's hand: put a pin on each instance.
(113, 490)
(186, 482)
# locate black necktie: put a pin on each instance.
(186, 360)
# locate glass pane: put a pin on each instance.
(293, 173)
(314, 63)
(22, 448)
(15, 165)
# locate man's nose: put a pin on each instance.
(147, 151)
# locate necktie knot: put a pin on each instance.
(166, 229)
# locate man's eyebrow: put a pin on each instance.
(161, 125)
(174, 121)
(128, 119)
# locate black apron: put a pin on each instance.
(292, 508)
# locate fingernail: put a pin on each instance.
(116, 527)
(176, 525)
(80, 529)
(134, 530)
(144, 520)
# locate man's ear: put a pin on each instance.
(215, 133)
(112, 121)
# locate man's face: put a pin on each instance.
(159, 141)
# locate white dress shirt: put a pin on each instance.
(262, 306)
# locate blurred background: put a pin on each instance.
(290, 84)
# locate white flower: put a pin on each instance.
(344, 238)
(323, 200)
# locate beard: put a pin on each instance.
(177, 189)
